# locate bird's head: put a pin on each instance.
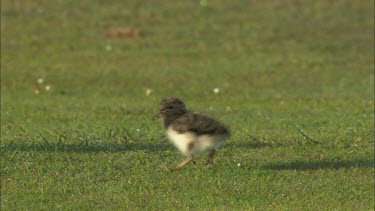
(171, 107)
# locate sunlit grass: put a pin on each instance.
(76, 105)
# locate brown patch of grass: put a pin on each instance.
(123, 33)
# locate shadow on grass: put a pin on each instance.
(252, 142)
(108, 146)
(246, 145)
(321, 164)
(86, 148)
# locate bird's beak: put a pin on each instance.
(157, 116)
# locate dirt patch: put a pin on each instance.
(123, 33)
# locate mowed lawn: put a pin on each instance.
(77, 102)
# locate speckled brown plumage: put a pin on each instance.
(192, 133)
(199, 124)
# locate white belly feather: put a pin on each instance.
(200, 144)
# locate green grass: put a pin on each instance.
(90, 143)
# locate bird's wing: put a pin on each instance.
(198, 123)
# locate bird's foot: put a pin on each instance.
(162, 166)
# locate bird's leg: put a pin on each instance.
(210, 160)
(189, 159)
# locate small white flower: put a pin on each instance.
(239, 164)
(47, 87)
(137, 130)
(216, 90)
(149, 92)
(40, 80)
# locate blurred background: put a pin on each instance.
(62, 60)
